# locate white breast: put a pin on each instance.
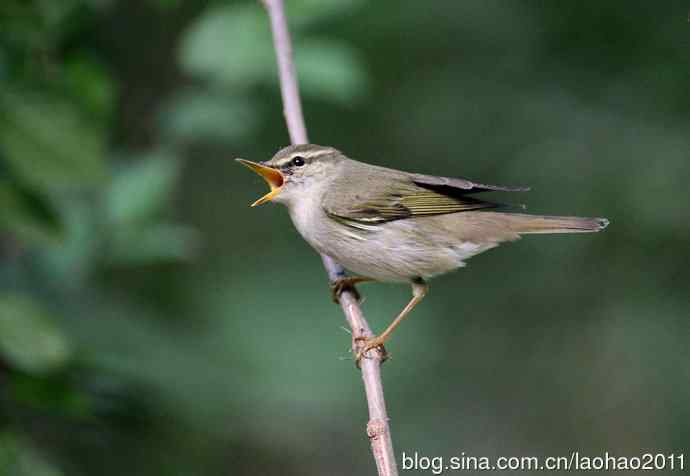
(308, 217)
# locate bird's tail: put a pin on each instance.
(527, 224)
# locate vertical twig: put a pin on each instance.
(378, 429)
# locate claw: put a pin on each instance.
(343, 284)
(369, 344)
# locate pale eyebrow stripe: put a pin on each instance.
(312, 154)
(306, 154)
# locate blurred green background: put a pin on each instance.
(151, 323)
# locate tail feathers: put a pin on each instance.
(528, 224)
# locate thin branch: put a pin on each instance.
(378, 429)
(292, 106)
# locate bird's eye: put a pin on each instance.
(298, 161)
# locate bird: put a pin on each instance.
(387, 225)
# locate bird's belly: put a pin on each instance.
(393, 251)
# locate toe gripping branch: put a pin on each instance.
(360, 344)
(346, 283)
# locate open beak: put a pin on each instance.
(273, 178)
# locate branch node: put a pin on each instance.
(376, 429)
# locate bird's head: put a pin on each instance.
(295, 170)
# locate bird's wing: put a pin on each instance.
(387, 195)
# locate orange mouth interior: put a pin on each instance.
(273, 178)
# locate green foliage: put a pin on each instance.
(71, 210)
(29, 339)
(160, 242)
(305, 13)
(19, 458)
(134, 203)
(28, 215)
(90, 87)
(47, 144)
(329, 69)
(204, 50)
(139, 191)
(166, 4)
(210, 116)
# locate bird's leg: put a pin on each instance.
(346, 282)
(419, 290)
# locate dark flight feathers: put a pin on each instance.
(459, 185)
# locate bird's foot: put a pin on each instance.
(368, 344)
(343, 284)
